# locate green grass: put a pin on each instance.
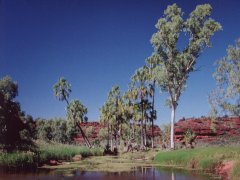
(18, 160)
(202, 158)
(64, 152)
(121, 163)
(45, 152)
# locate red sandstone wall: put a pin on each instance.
(207, 129)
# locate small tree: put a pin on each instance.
(89, 131)
(13, 122)
(176, 64)
(103, 134)
(189, 137)
(165, 135)
(226, 96)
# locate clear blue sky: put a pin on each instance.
(97, 44)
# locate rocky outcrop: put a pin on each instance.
(208, 129)
(97, 127)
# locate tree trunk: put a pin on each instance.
(83, 135)
(142, 134)
(142, 138)
(152, 135)
(145, 132)
(134, 131)
(172, 125)
(152, 119)
(120, 136)
(111, 139)
(108, 137)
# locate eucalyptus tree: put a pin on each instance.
(176, 64)
(139, 80)
(226, 96)
(152, 63)
(76, 111)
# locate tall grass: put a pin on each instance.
(202, 158)
(65, 152)
(46, 151)
(18, 160)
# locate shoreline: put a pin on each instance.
(214, 161)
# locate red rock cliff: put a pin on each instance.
(206, 129)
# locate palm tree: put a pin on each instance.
(141, 77)
(130, 97)
(62, 90)
(76, 113)
(105, 116)
(152, 63)
(75, 110)
(115, 101)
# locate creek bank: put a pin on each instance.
(47, 153)
(222, 161)
(224, 169)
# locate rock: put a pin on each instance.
(77, 157)
(206, 129)
(54, 162)
(225, 168)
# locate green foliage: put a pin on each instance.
(165, 136)
(18, 160)
(175, 64)
(58, 130)
(226, 96)
(15, 127)
(89, 131)
(59, 151)
(103, 134)
(46, 152)
(189, 136)
(8, 89)
(62, 89)
(200, 158)
(115, 113)
(76, 111)
(71, 132)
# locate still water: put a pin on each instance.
(144, 173)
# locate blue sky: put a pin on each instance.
(96, 44)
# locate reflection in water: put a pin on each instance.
(173, 175)
(138, 173)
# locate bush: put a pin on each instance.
(18, 160)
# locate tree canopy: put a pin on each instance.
(226, 97)
(175, 64)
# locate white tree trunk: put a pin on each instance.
(172, 126)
